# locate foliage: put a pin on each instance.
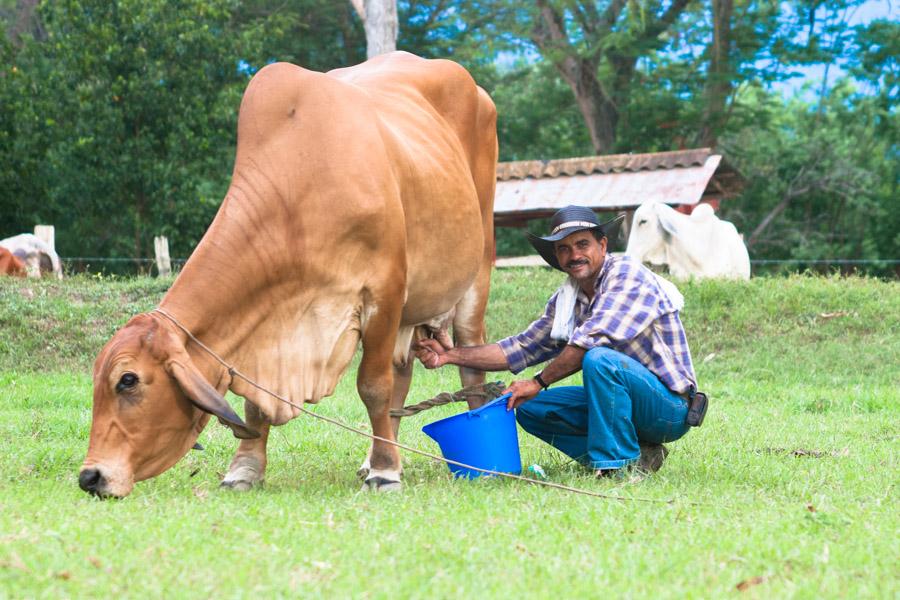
(818, 182)
(317, 34)
(787, 490)
(130, 111)
(118, 118)
(538, 116)
(821, 174)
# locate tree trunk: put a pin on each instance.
(24, 22)
(600, 114)
(381, 26)
(602, 106)
(718, 83)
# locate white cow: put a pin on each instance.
(699, 245)
(38, 256)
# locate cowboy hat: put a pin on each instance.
(565, 222)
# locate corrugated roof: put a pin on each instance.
(530, 189)
(615, 163)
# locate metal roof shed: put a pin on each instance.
(534, 189)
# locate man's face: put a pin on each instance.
(581, 255)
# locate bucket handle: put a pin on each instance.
(500, 399)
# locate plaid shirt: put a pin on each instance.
(629, 313)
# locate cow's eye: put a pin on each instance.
(126, 382)
(642, 222)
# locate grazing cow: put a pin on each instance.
(699, 245)
(39, 258)
(10, 264)
(360, 206)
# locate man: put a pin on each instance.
(614, 320)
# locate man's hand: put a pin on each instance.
(522, 390)
(431, 353)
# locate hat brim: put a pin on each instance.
(544, 245)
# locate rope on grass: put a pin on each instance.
(487, 391)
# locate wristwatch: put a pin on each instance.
(541, 381)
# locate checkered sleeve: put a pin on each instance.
(627, 304)
(534, 345)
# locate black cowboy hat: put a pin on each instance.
(567, 221)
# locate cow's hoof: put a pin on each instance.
(239, 486)
(380, 484)
(242, 479)
(382, 481)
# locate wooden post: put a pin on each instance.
(47, 234)
(163, 264)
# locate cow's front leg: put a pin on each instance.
(402, 381)
(248, 467)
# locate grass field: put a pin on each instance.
(795, 471)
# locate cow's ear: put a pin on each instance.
(663, 213)
(206, 398)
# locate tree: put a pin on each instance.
(817, 181)
(596, 52)
(719, 79)
(380, 20)
(117, 119)
(23, 22)
(133, 106)
(316, 34)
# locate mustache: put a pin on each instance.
(575, 263)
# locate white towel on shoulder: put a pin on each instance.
(567, 294)
(564, 317)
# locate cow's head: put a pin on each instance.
(652, 230)
(150, 404)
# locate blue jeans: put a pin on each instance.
(600, 424)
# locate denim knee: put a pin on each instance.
(602, 358)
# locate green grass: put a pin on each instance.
(802, 364)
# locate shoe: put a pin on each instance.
(652, 457)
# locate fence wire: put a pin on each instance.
(826, 261)
(114, 259)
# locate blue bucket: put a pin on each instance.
(485, 438)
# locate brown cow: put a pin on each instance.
(10, 264)
(361, 206)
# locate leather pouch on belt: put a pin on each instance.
(697, 406)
